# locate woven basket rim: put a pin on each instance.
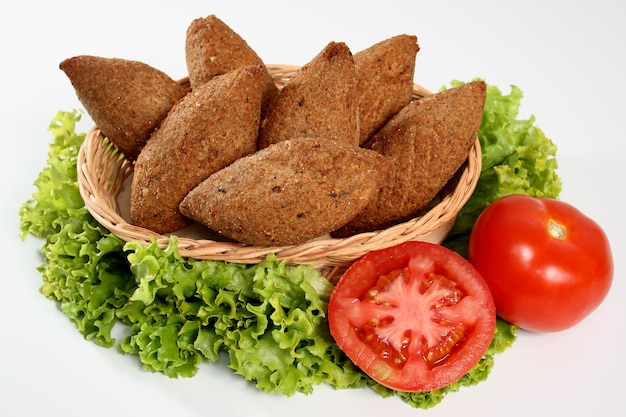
(102, 170)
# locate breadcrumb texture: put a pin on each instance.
(213, 48)
(429, 140)
(319, 100)
(126, 99)
(214, 125)
(385, 81)
(289, 192)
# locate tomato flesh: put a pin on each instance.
(388, 302)
(415, 317)
(547, 264)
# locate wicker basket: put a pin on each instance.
(104, 183)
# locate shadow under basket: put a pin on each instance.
(104, 178)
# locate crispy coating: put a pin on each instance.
(429, 140)
(213, 48)
(289, 192)
(210, 128)
(126, 99)
(319, 100)
(385, 74)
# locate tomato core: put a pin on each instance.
(429, 293)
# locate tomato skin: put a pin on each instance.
(540, 282)
(349, 313)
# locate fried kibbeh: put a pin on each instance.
(429, 140)
(126, 99)
(211, 127)
(289, 192)
(385, 74)
(319, 100)
(213, 48)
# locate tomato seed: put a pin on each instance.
(445, 345)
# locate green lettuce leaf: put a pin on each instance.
(84, 268)
(268, 318)
(56, 199)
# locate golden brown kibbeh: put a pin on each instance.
(126, 99)
(385, 74)
(289, 192)
(429, 140)
(210, 128)
(213, 48)
(319, 100)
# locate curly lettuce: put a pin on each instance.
(56, 199)
(84, 269)
(268, 319)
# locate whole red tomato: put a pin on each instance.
(547, 264)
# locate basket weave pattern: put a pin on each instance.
(102, 172)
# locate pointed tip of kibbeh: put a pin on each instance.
(385, 73)
(213, 48)
(319, 100)
(126, 99)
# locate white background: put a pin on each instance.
(567, 57)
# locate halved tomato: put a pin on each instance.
(414, 317)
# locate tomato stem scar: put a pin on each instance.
(556, 229)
